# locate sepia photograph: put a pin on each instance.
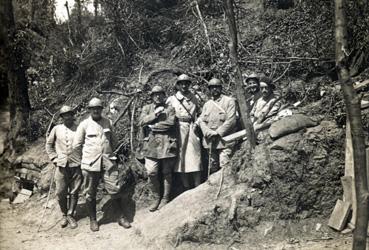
(184, 124)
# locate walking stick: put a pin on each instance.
(47, 200)
(210, 156)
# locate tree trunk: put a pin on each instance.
(79, 12)
(96, 6)
(17, 81)
(353, 110)
(233, 46)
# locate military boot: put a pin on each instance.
(64, 209)
(122, 221)
(155, 189)
(91, 208)
(167, 188)
(72, 208)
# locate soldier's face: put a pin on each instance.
(184, 86)
(158, 98)
(254, 86)
(68, 118)
(96, 113)
(215, 91)
(265, 90)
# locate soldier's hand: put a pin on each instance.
(212, 134)
(158, 110)
(55, 161)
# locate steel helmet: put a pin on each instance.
(65, 109)
(214, 82)
(183, 78)
(95, 102)
(157, 89)
(267, 81)
(252, 76)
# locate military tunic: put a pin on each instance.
(160, 142)
(68, 175)
(95, 140)
(219, 116)
(264, 110)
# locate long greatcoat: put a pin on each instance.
(189, 153)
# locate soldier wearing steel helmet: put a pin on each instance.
(158, 122)
(218, 119)
(68, 175)
(187, 108)
(95, 141)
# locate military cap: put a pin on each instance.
(65, 109)
(214, 82)
(157, 89)
(95, 102)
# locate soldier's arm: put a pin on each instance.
(268, 118)
(50, 145)
(201, 122)
(230, 121)
(146, 117)
(78, 141)
(168, 123)
(275, 108)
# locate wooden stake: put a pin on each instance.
(124, 111)
(132, 124)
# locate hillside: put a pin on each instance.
(278, 197)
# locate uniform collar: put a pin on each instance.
(180, 96)
(217, 100)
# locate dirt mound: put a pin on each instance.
(295, 177)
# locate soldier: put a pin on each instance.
(252, 87)
(186, 107)
(266, 107)
(160, 144)
(68, 174)
(218, 119)
(95, 140)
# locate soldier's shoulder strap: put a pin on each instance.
(180, 102)
(217, 105)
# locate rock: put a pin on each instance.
(22, 196)
(339, 215)
(45, 177)
(290, 125)
(287, 142)
(268, 230)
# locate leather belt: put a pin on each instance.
(185, 119)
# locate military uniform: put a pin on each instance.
(265, 109)
(189, 153)
(96, 140)
(68, 175)
(219, 116)
(159, 147)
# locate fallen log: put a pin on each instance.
(235, 136)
